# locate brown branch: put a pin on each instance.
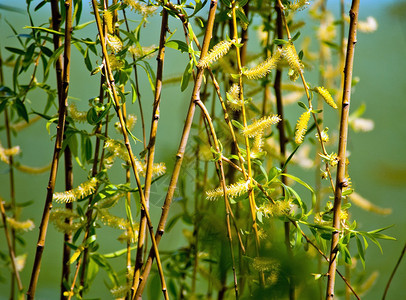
(181, 150)
(394, 271)
(55, 160)
(342, 146)
(151, 144)
(10, 246)
(112, 88)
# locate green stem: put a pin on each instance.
(342, 147)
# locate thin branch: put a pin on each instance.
(393, 272)
(342, 146)
(181, 150)
(112, 89)
(55, 160)
(10, 246)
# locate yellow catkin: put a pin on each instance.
(215, 54)
(108, 20)
(130, 121)
(264, 264)
(78, 116)
(233, 190)
(265, 67)
(21, 225)
(120, 291)
(111, 220)
(6, 153)
(322, 91)
(32, 170)
(233, 97)
(114, 43)
(298, 5)
(260, 125)
(82, 191)
(301, 127)
(141, 8)
(289, 53)
(258, 143)
(142, 52)
(365, 204)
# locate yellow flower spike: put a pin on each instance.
(260, 125)
(141, 8)
(289, 53)
(130, 121)
(215, 54)
(108, 19)
(233, 97)
(322, 91)
(114, 43)
(21, 225)
(139, 52)
(301, 127)
(83, 190)
(265, 67)
(78, 116)
(298, 5)
(233, 190)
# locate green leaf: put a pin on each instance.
(296, 36)
(15, 50)
(302, 105)
(177, 45)
(53, 58)
(3, 105)
(186, 76)
(361, 251)
(21, 109)
(298, 180)
(237, 124)
(280, 42)
(241, 15)
(81, 26)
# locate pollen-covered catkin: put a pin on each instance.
(215, 54)
(301, 127)
(289, 53)
(322, 91)
(265, 67)
(260, 125)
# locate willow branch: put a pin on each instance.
(151, 146)
(113, 90)
(55, 160)
(342, 147)
(394, 271)
(181, 149)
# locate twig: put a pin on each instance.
(10, 246)
(181, 150)
(151, 145)
(393, 272)
(342, 145)
(55, 160)
(112, 89)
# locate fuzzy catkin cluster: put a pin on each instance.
(215, 54)
(233, 190)
(265, 67)
(301, 127)
(82, 191)
(260, 125)
(289, 53)
(322, 91)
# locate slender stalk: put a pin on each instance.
(342, 146)
(282, 139)
(55, 160)
(112, 89)
(56, 21)
(393, 272)
(152, 140)
(181, 150)
(11, 177)
(137, 88)
(251, 195)
(10, 246)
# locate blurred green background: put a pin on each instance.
(378, 162)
